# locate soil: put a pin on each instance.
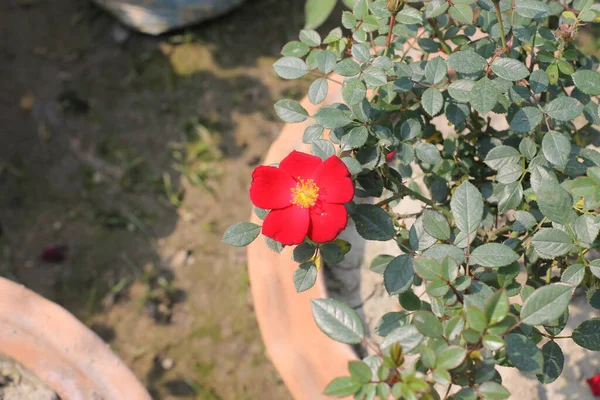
(123, 158)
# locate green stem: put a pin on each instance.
(440, 36)
(501, 24)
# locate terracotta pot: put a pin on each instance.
(305, 357)
(60, 350)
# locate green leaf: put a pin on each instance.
(573, 275)
(409, 301)
(496, 307)
(290, 67)
(484, 95)
(318, 91)
(554, 202)
(532, 9)
(461, 13)
(510, 173)
(466, 62)
(595, 268)
(310, 37)
(427, 268)
(466, 394)
(493, 255)
(409, 16)
(437, 288)
(241, 234)
(523, 353)
(408, 336)
(428, 324)
(587, 81)
(303, 252)
(432, 101)
(316, 12)
(334, 252)
(451, 357)
(332, 118)
(337, 320)
(556, 148)
(502, 155)
(290, 111)
(550, 243)
(436, 225)
(467, 207)
(389, 322)
(552, 72)
(510, 69)
(374, 77)
(510, 197)
(586, 229)
(539, 81)
(564, 108)
(342, 387)
(553, 363)
(528, 148)
(460, 90)
(322, 148)
(355, 138)
(305, 276)
(427, 153)
(587, 335)
(526, 119)
(493, 390)
(361, 52)
(311, 133)
(373, 223)
(436, 70)
(409, 129)
(398, 275)
(379, 263)
(546, 304)
(295, 49)
(360, 371)
(476, 319)
(347, 67)
(354, 92)
(435, 8)
(492, 342)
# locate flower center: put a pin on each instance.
(305, 193)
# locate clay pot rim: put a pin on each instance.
(71, 359)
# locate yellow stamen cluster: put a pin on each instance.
(305, 193)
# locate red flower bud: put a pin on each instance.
(594, 383)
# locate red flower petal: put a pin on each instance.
(270, 188)
(390, 156)
(300, 165)
(333, 179)
(327, 221)
(288, 225)
(594, 383)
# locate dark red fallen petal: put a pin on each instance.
(55, 253)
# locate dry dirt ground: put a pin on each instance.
(136, 155)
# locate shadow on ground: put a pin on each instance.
(134, 155)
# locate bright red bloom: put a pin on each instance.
(306, 196)
(390, 156)
(594, 383)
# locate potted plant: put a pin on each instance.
(499, 200)
(60, 350)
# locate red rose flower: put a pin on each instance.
(306, 196)
(390, 156)
(594, 383)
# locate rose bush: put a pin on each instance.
(502, 199)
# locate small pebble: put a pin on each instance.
(167, 363)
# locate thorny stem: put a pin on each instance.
(388, 40)
(405, 191)
(500, 24)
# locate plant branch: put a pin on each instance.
(440, 36)
(501, 24)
